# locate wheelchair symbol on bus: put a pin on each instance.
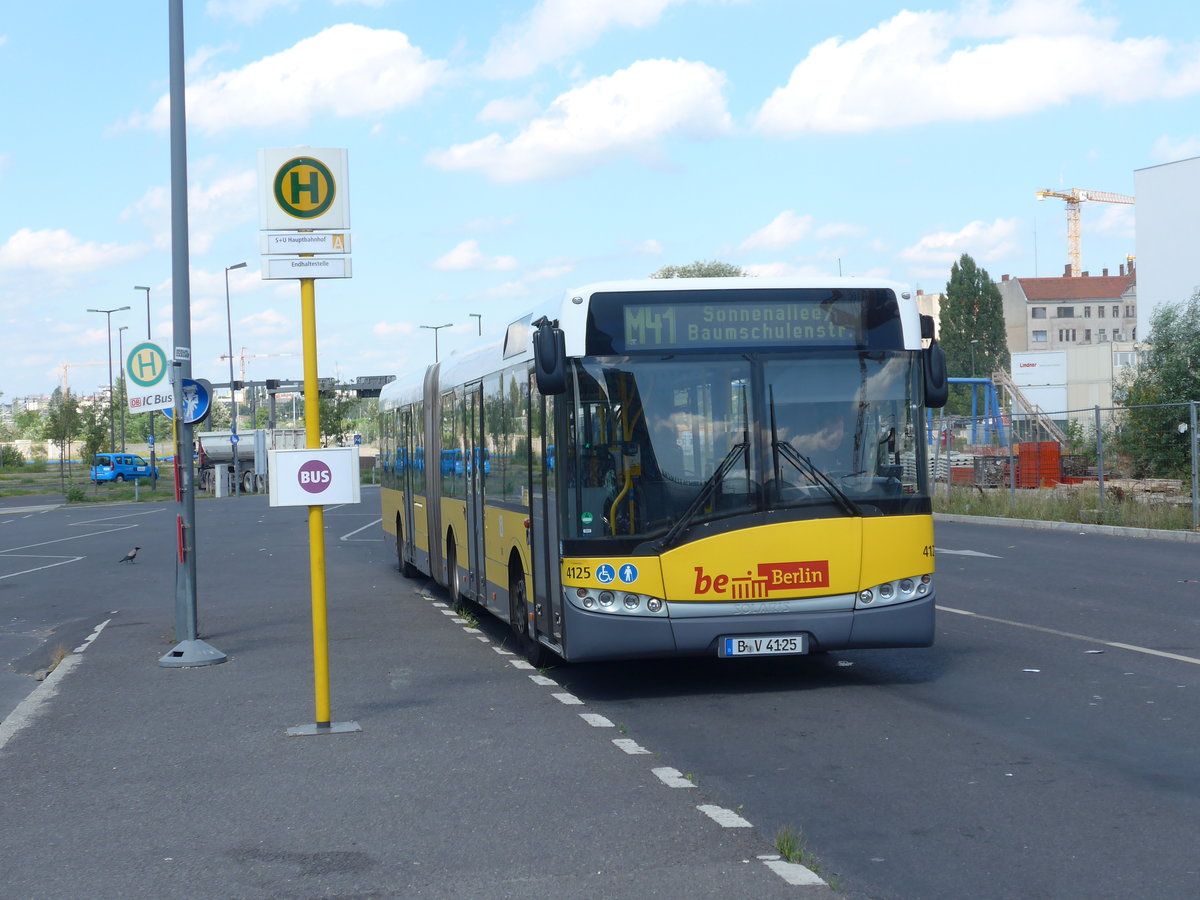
(605, 573)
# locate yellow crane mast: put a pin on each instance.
(1075, 198)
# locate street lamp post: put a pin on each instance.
(237, 475)
(139, 287)
(478, 317)
(435, 329)
(974, 341)
(112, 425)
(121, 361)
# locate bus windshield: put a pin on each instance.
(655, 446)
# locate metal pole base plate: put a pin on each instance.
(329, 728)
(192, 653)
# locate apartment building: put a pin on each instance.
(1065, 312)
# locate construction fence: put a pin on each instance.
(1145, 454)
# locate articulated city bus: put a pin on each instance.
(724, 466)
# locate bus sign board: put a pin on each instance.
(302, 188)
(146, 382)
(314, 477)
(305, 242)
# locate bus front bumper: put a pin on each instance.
(595, 636)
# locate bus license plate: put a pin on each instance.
(763, 645)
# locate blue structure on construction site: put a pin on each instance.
(990, 420)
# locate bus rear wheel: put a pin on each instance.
(518, 618)
(407, 569)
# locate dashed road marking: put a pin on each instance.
(726, 818)
(792, 873)
(567, 699)
(630, 746)
(520, 664)
(543, 680)
(596, 720)
(672, 778)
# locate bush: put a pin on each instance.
(11, 458)
(76, 494)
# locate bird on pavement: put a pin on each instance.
(128, 557)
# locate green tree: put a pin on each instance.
(700, 269)
(336, 422)
(61, 426)
(1168, 372)
(93, 431)
(972, 329)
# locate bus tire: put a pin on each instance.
(452, 570)
(407, 569)
(518, 619)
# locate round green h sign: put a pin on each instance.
(304, 187)
(146, 364)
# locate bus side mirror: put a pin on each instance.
(549, 358)
(937, 385)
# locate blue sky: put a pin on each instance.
(501, 153)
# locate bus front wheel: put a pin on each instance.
(518, 618)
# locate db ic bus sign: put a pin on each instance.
(314, 477)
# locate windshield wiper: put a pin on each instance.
(817, 477)
(706, 491)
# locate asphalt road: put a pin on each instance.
(1022, 756)
(1045, 747)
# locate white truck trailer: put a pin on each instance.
(215, 456)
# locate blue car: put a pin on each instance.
(119, 467)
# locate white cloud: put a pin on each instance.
(785, 229)
(362, 71)
(557, 29)
(59, 252)
(839, 230)
(1170, 149)
(267, 322)
(627, 113)
(509, 109)
(982, 240)
(1113, 219)
(923, 67)
(224, 204)
(467, 255)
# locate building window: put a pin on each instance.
(1038, 312)
(1103, 338)
(1130, 312)
(1066, 335)
(1100, 312)
(1116, 312)
(1116, 334)
(1087, 335)
(1087, 312)
(1123, 358)
(1039, 337)
(1067, 312)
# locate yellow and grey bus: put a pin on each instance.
(723, 466)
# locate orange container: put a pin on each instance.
(1039, 464)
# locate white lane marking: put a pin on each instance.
(439, 604)
(596, 720)
(449, 612)
(29, 708)
(792, 873)
(937, 550)
(459, 621)
(470, 630)
(630, 746)
(87, 641)
(102, 519)
(74, 537)
(726, 818)
(672, 778)
(480, 637)
(520, 664)
(1076, 637)
(503, 652)
(543, 680)
(350, 534)
(62, 561)
(567, 699)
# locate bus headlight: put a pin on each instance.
(606, 601)
(898, 591)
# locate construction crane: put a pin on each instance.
(1074, 198)
(66, 373)
(243, 356)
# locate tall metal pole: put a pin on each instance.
(121, 361)
(112, 425)
(233, 410)
(140, 287)
(435, 329)
(191, 651)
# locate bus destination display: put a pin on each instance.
(670, 326)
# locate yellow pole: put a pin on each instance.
(316, 514)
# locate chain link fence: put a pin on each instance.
(1133, 466)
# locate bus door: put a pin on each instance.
(475, 463)
(405, 451)
(543, 520)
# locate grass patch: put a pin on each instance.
(792, 847)
(1079, 504)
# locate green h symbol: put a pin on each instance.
(146, 360)
(312, 187)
